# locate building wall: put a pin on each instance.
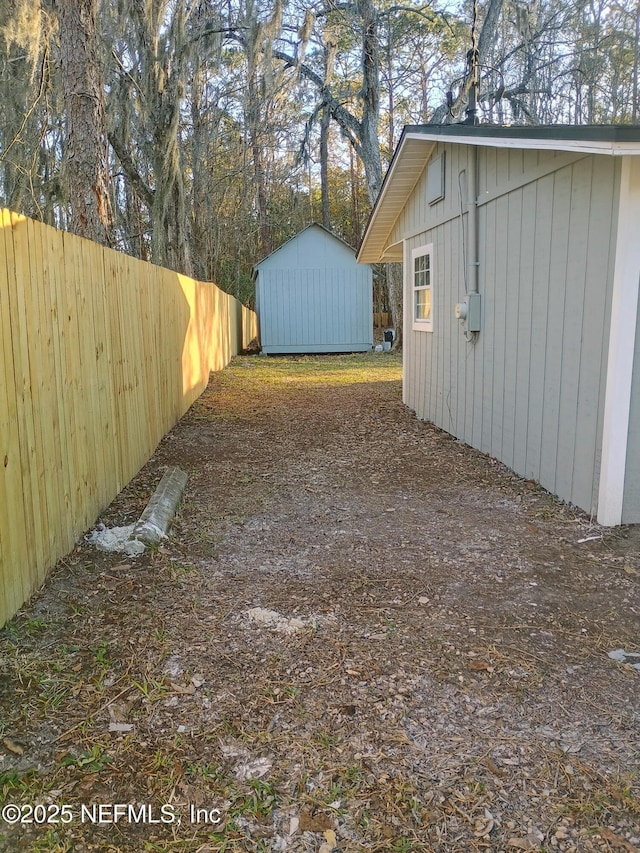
(530, 390)
(313, 297)
(629, 260)
(631, 506)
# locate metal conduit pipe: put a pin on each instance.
(472, 209)
(468, 312)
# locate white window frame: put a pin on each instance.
(416, 324)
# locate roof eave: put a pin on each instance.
(616, 142)
(402, 176)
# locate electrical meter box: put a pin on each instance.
(468, 312)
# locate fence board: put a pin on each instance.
(18, 284)
(12, 535)
(100, 354)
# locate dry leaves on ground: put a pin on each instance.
(361, 635)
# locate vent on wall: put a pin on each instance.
(435, 179)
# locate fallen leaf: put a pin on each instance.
(183, 689)
(492, 766)
(618, 840)
(330, 837)
(520, 843)
(480, 666)
(314, 823)
(12, 746)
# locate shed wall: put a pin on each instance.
(315, 310)
(312, 248)
(312, 296)
(530, 390)
(629, 259)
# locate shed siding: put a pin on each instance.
(312, 296)
(530, 390)
(630, 210)
(315, 310)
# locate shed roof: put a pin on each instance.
(418, 141)
(296, 236)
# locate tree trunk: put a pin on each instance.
(324, 166)
(394, 289)
(355, 204)
(369, 140)
(86, 167)
(636, 61)
(325, 123)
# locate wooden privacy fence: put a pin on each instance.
(100, 354)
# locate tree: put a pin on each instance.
(86, 156)
(31, 134)
(232, 124)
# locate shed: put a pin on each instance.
(312, 296)
(521, 253)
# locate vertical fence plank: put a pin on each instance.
(78, 445)
(44, 421)
(14, 583)
(21, 286)
(53, 283)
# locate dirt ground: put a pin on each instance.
(361, 635)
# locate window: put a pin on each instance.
(421, 285)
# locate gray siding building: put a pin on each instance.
(312, 296)
(521, 253)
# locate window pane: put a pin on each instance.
(423, 304)
(422, 271)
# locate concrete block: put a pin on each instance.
(156, 519)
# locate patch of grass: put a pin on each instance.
(258, 804)
(101, 653)
(53, 691)
(151, 689)
(601, 805)
(329, 370)
(180, 570)
(14, 783)
(407, 845)
(327, 740)
(209, 773)
(51, 842)
(34, 626)
(88, 761)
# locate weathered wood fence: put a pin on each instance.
(100, 354)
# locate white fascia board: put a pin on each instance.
(580, 146)
(622, 339)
